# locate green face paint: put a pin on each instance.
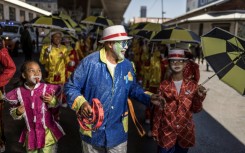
(117, 48)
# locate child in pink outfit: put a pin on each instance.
(36, 103)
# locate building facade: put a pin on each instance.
(81, 9)
(48, 5)
(19, 11)
(226, 14)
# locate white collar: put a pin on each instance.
(27, 87)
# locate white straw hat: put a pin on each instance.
(114, 33)
(55, 32)
(177, 54)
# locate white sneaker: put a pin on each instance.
(149, 134)
(147, 121)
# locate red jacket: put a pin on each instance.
(8, 67)
(173, 124)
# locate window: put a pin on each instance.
(22, 16)
(30, 16)
(11, 29)
(224, 26)
(12, 14)
(200, 29)
(1, 12)
(241, 29)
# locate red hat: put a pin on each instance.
(177, 54)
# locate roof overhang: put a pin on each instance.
(195, 12)
(114, 9)
(28, 6)
(217, 16)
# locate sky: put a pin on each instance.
(172, 8)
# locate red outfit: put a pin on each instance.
(72, 57)
(173, 124)
(8, 67)
(7, 70)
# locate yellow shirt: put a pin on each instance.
(54, 62)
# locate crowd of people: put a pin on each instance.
(164, 78)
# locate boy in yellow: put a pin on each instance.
(54, 57)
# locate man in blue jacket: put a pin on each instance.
(108, 76)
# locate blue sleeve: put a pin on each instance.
(74, 87)
(136, 91)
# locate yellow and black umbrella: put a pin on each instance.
(139, 25)
(51, 22)
(136, 27)
(153, 27)
(80, 28)
(71, 36)
(97, 20)
(145, 34)
(176, 34)
(67, 18)
(226, 55)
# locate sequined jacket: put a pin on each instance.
(7, 67)
(38, 115)
(173, 124)
(54, 62)
(92, 79)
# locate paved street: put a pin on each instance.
(219, 127)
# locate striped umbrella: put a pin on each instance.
(139, 25)
(226, 55)
(80, 28)
(71, 36)
(51, 22)
(176, 34)
(67, 18)
(145, 34)
(98, 20)
(153, 27)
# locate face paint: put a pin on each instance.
(35, 79)
(176, 68)
(118, 50)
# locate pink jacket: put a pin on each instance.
(38, 115)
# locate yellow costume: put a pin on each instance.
(145, 67)
(155, 69)
(80, 48)
(54, 60)
(136, 51)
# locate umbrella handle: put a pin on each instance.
(209, 78)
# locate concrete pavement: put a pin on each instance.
(219, 127)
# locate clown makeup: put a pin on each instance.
(32, 74)
(120, 48)
(35, 79)
(177, 65)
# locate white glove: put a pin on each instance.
(72, 63)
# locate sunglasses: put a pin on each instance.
(123, 43)
(176, 61)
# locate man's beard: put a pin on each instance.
(117, 48)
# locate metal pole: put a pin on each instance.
(162, 11)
